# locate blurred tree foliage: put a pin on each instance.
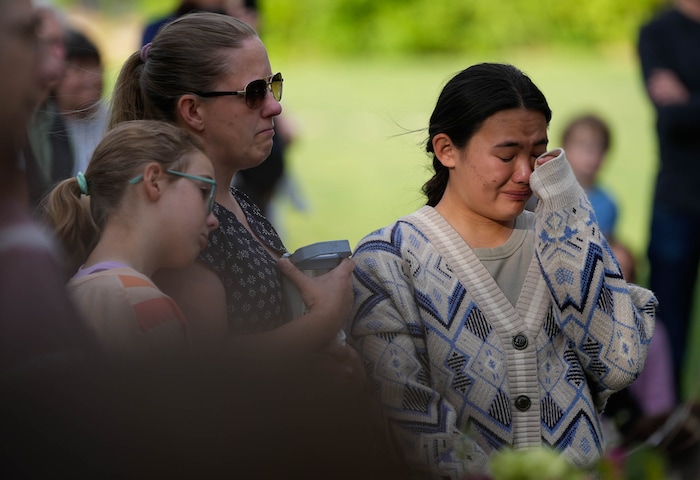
(365, 27)
(143, 8)
(446, 26)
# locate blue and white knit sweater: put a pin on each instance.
(460, 372)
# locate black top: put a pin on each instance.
(672, 41)
(254, 296)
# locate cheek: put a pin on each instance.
(488, 176)
(234, 130)
(477, 177)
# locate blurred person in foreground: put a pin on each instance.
(39, 158)
(486, 327)
(669, 51)
(59, 409)
(29, 264)
(43, 344)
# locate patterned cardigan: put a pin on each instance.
(460, 372)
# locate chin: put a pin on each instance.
(516, 208)
(266, 153)
(507, 217)
(258, 161)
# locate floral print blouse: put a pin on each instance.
(253, 282)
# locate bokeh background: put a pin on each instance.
(362, 77)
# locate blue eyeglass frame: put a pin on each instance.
(253, 98)
(210, 181)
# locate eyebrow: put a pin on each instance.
(511, 143)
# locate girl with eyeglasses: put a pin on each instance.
(144, 204)
(210, 74)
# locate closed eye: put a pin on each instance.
(206, 191)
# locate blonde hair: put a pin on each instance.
(119, 157)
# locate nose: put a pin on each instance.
(522, 169)
(271, 107)
(212, 222)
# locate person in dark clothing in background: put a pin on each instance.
(186, 6)
(670, 64)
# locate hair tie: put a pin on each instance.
(144, 51)
(82, 183)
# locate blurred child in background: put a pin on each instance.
(586, 141)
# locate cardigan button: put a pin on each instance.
(520, 342)
(523, 403)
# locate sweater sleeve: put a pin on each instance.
(387, 331)
(608, 321)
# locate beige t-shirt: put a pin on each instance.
(508, 263)
(129, 315)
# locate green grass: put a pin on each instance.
(359, 157)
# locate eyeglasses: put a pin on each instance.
(207, 194)
(255, 92)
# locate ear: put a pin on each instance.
(444, 149)
(189, 108)
(154, 181)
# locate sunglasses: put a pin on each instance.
(207, 194)
(255, 92)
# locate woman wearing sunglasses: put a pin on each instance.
(144, 204)
(210, 74)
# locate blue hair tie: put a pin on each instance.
(82, 183)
